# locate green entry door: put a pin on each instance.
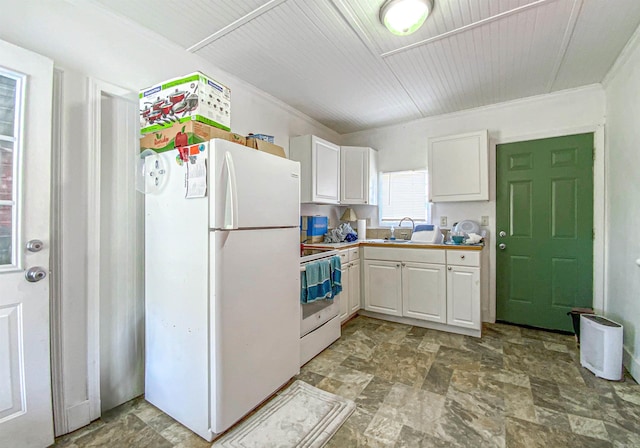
(544, 219)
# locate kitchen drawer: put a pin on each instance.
(463, 257)
(344, 256)
(354, 254)
(400, 254)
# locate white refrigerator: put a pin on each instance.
(222, 284)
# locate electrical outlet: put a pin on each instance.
(484, 221)
(443, 221)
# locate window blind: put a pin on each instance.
(404, 193)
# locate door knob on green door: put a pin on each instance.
(502, 246)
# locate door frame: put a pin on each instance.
(599, 209)
(95, 90)
(66, 419)
(60, 420)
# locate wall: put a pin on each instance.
(623, 196)
(404, 146)
(85, 42)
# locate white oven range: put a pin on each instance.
(319, 320)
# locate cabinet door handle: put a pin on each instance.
(398, 265)
(462, 257)
(403, 264)
(449, 268)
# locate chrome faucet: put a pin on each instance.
(413, 224)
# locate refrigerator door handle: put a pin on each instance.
(231, 203)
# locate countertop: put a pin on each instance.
(395, 244)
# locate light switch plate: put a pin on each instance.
(484, 221)
(443, 221)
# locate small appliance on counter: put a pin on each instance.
(466, 226)
(427, 233)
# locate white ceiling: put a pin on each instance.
(334, 61)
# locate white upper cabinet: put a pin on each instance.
(459, 167)
(358, 175)
(319, 169)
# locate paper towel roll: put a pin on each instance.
(362, 229)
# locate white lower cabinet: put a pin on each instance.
(343, 297)
(408, 283)
(354, 287)
(463, 296)
(383, 287)
(350, 295)
(424, 291)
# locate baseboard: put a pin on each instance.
(631, 363)
(79, 415)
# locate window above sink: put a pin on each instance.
(403, 194)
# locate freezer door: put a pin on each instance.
(252, 189)
(255, 297)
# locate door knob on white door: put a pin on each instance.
(35, 246)
(35, 274)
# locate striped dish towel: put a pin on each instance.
(316, 281)
(336, 275)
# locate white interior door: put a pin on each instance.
(26, 81)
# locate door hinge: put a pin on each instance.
(594, 154)
(593, 234)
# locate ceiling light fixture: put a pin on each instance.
(404, 17)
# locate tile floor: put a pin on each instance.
(415, 387)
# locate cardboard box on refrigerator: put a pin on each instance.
(265, 146)
(193, 97)
(183, 134)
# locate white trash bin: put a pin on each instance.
(601, 346)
